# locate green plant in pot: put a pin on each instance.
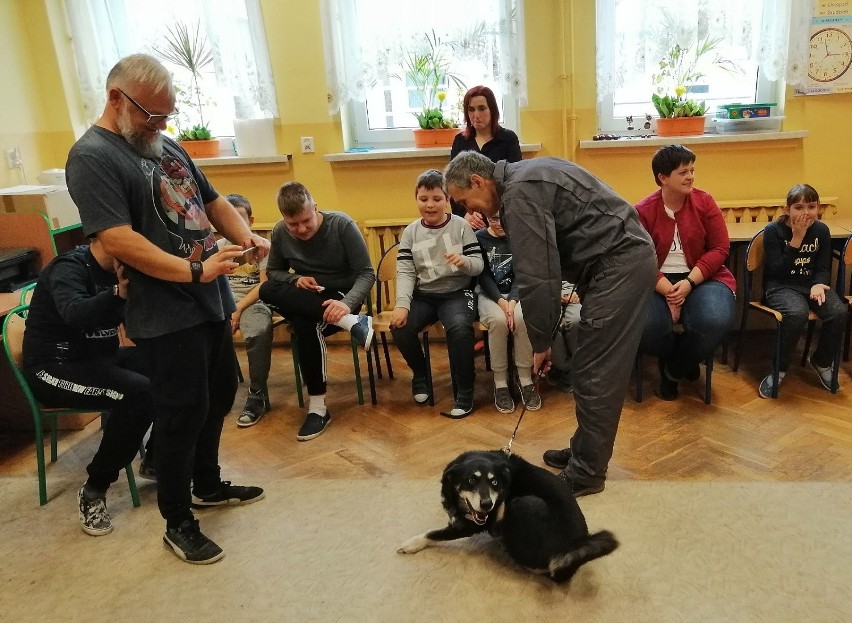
(189, 50)
(679, 69)
(429, 73)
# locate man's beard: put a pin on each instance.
(139, 143)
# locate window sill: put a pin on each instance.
(223, 161)
(408, 152)
(703, 139)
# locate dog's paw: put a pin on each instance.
(413, 545)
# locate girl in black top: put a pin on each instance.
(484, 134)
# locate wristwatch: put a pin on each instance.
(197, 269)
(691, 282)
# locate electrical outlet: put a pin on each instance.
(12, 157)
(307, 144)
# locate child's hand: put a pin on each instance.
(454, 259)
(399, 317)
(818, 291)
(309, 283)
(799, 223)
(573, 298)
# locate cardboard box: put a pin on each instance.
(52, 201)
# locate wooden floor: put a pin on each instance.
(805, 435)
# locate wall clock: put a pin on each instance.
(830, 55)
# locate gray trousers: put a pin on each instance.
(256, 327)
(612, 316)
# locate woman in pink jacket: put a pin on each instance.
(694, 289)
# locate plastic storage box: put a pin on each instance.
(744, 111)
(752, 124)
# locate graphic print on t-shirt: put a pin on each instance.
(803, 264)
(180, 209)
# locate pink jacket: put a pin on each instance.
(703, 233)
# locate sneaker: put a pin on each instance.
(531, 397)
(228, 495)
(420, 390)
(824, 375)
(94, 517)
(579, 490)
(693, 373)
(190, 545)
(313, 426)
(766, 386)
(667, 389)
(558, 458)
(363, 330)
(147, 471)
(460, 410)
(254, 409)
(560, 379)
(503, 400)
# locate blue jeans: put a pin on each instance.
(707, 315)
(456, 311)
(794, 306)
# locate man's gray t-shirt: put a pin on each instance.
(163, 200)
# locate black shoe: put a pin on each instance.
(362, 331)
(558, 458)
(667, 390)
(420, 390)
(146, 470)
(693, 373)
(228, 495)
(313, 426)
(579, 490)
(189, 544)
(254, 409)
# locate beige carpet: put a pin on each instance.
(326, 551)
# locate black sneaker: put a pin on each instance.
(579, 490)
(254, 409)
(462, 408)
(228, 495)
(503, 400)
(764, 390)
(558, 458)
(190, 545)
(530, 397)
(94, 517)
(667, 390)
(147, 471)
(363, 330)
(313, 426)
(420, 390)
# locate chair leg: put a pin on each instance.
(848, 335)
(708, 378)
(371, 375)
(54, 436)
(835, 370)
(374, 349)
(808, 338)
(428, 359)
(131, 482)
(387, 355)
(42, 477)
(638, 367)
(356, 361)
(240, 377)
(741, 337)
(776, 361)
(297, 371)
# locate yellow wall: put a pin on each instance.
(560, 111)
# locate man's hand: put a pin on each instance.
(541, 361)
(261, 243)
(334, 310)
(123, 281)
(475, 220)
(399, 317)
(818, 291)
(309, 283)
(221, 263)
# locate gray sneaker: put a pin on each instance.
(94, 517)
(766, 386)
(824, 375)
(503, 400)
(531, 397)
(254, 409)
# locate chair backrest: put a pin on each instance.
(754, 260)
(13, 344)
(845, 265)
(27, 294)
(386, 279)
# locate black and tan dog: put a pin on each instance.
(534, 513)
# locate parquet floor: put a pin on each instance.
(806, 435)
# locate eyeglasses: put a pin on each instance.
(493, 219)
(152, 119)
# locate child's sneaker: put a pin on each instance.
(94, 517)
(254, 409)
(531, 397)
(824, 375)
(420, 390)
(766, 386)
(313, 426)
(363, 331)
(503, 400)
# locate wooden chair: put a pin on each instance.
(754, 261)
(13, 338)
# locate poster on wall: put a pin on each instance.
(830, 54)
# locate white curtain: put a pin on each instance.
(240, 82)
(488, 31)
(653, 24)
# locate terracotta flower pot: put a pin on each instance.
(442, 137)
(680, 126)
(201, 149)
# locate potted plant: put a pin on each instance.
(190, 51)
(680, 68)
(430, 74)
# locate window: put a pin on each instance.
(632, 38)
(237, 84)
(366, 43)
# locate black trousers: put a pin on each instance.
(117, 384)
(303, 308)
(193, 384)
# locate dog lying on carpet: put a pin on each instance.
(540, 522)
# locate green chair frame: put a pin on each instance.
(13, 331)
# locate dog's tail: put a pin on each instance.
(563, 567)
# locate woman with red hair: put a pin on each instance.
(483, 133)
